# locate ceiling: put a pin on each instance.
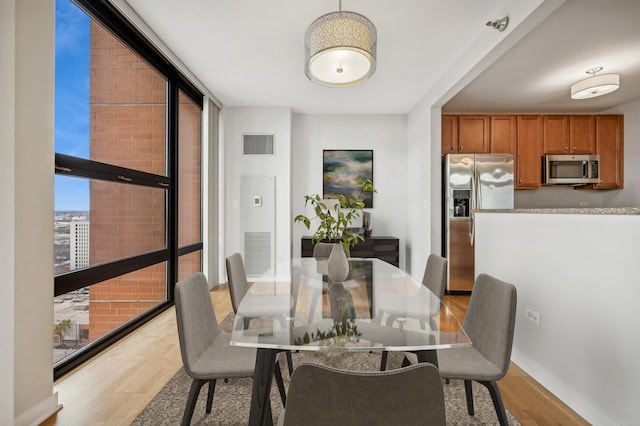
(251, 53)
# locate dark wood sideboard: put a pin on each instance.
(383, 248)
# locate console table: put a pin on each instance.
(383, 248)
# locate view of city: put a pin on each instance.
(71, 311)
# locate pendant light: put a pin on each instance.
(596, 85)
(340, 49)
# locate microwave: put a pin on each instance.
(570, 169)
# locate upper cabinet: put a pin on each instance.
(529, 152)
(555, 134)
(473, 134)
(610, 146)
(569, 134)
(449, 137)
(582, 134)
(529, 137)
(503, 134)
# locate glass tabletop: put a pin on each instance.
(295, 306)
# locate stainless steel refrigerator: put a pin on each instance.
(471, 182)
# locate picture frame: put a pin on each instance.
(341, 168)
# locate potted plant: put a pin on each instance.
(334, 221)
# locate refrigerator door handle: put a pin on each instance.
(474, 188)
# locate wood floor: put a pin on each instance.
(115, 386)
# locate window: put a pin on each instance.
(128, 152)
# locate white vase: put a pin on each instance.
(338, 264)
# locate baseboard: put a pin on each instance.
(40, 412)
(565, 393)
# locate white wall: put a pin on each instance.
(580, 272)
(386, 135)
(237, 121)
(7, 214)
(29, 210)
(630, 195)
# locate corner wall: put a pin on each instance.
(33, 399)
(237, 121)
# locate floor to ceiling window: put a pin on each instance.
(128, 152)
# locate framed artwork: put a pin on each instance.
(341, 169)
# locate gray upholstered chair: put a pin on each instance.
(321, 395)
(490, 323)
(257, 306)
(435, 279)
(206, 352)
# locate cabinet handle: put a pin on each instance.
(519, 180)
(461, 148)
(565, 148)
(574, 148)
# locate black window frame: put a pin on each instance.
(105, 14)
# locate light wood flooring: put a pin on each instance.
(114, 387)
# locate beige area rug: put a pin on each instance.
(231, 400)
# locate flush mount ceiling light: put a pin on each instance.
(596, 85)
(340, 49)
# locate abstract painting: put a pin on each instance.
(341, 169)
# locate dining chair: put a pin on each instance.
(490, 324)
(435, 279)
(206, 351)
(322, 395)
(257, 306)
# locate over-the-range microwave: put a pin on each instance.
(570, 169)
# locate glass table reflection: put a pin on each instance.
(327, 316)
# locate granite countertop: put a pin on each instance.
(581, 210)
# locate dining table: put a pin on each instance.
(321, 315)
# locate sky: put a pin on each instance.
(71, 101)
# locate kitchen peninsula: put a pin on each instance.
(576, 271)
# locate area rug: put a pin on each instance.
(232, 400)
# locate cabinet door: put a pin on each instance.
(582, 134)
(449, 138)
(473, 134)
(610, 147)
(503, 134)
(556, 134)
(529, 152)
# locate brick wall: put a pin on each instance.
(127, 128)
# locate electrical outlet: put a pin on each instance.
(533, 316)
(584, 204)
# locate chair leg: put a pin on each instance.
(289, 362)
(468, 391)
(277, 373)
(212, 388)
(383, 361)
(196, 385)
(497, 402)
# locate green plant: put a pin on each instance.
(62, 328)
(334, 220)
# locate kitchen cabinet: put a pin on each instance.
(569, 134)
(449, 136)
(609, 145)
(529, 152)
(503, 134)
(582, 134)
(555, 134)
(473, 134)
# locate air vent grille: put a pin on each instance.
(257, 253)
(258, 144)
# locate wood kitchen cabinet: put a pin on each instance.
(473, 134)
(609, 145)
(555, 134)
(449, 137)
(529, 152)
(582, 134)
(569, 134)
(503, 134)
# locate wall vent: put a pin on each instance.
(257, 253)
(258, 144)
